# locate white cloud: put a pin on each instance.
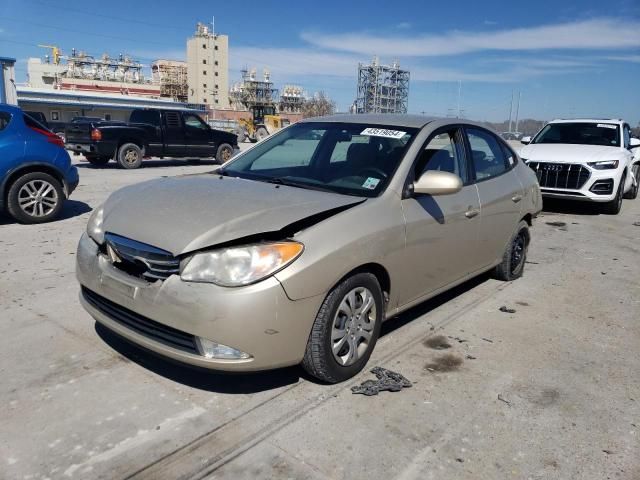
(403, 26)
(624, 58)
(596, 34)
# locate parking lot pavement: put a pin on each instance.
(550, 391)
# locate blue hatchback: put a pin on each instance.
(36, 175)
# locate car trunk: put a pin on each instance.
(78, 133)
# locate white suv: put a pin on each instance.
(585, 159)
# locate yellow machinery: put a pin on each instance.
(55, 53)
(264, 121)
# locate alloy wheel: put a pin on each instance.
(518, 251)
(131, 156)
(353, 326)
(37, 198)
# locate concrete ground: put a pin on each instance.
(551, 391)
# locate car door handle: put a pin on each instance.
(516, 198)
(472, 213)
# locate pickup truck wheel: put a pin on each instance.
(225, 152)
(614, 206)
(96, 160)
(261, 133)
(129, 156)
(515, 255)
(35, 198)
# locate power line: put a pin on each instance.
(102, 15)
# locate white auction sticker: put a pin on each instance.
(607, 125)
(371, 183)
(383, 132)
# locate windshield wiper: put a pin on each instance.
(293, 183)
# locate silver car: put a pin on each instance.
(298, 249)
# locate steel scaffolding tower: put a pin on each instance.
(382, 88)
(171, 75)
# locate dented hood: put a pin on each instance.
(183, 214)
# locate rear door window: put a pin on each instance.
(487, 155)
(5, 119)
(151, 117)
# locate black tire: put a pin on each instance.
(129, 156)
(23, 206)
(96, 160)
(515, 255)
(614, 206)
(633, 193)
(224, 153)
(319, 360)
(261, 134)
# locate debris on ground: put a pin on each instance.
(502, 399)
(439, 342)
(444, 363)
(487, 340)
(636, 224)
(556, 224)
(470, 357)
(532, 263)
(608, 452)
(458, 339)
(387, 381)
(522, 304)
(504, 309)
(460, 460)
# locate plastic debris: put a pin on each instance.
(387, 381)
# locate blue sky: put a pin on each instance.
(568, 58)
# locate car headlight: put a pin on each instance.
(237, 266)
(94, 226)
(604, 164)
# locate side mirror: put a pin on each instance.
(634, 143)
(526, 140)
(434, 182)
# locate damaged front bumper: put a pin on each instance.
(171, 317)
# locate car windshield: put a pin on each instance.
(582, 133)
(347, 158)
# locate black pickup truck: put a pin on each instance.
(150, 133)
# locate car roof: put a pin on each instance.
(10, 108)
(391, 120)
(587, 120)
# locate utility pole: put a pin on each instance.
(510, 111)
(459, 91)
(518, 108)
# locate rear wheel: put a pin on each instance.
(225, 152)
(515, 255)
(97, 160)
(129, 156)
(633, 192)
(614, 206)
(345, 330)
(35, 198)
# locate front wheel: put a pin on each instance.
(35, 198)
(345, 330)
(261, 133)
(633, 192)
(129, 156)
(614, 206)
(224, 153)
(515, 255)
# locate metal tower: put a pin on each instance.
(382, 88)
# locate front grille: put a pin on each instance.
(139, 259)
(149, 328)
(560, 175)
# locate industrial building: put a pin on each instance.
(84, 72)
(208, 67)
(382, 88)
(7, 81)
(171, 76)
(254, 91)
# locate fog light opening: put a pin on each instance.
(214, 350)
